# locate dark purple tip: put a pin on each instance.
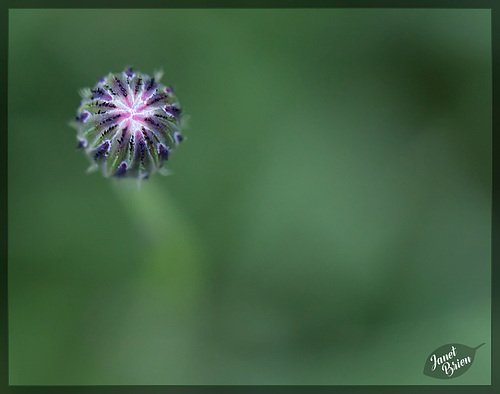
(120, 87)
(122, 169)
(101, 80)
(163, 151)
(100, 93)
(178, 137)
(151, 84)
(82, 143)
(102, 150)
(173, 110)
(129, 73)
(82, 117)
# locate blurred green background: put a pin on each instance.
(329, 217)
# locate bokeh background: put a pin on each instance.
(329, 217)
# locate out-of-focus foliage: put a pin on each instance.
(329, 217)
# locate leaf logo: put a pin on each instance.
(450, 361)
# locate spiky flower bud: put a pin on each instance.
(128, 124)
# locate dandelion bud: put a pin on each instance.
(128, 124)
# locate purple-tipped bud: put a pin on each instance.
(82, 143)
(129, 73)
(178, 138)
(102, 150)
(163, 151)
(99, 92)
(128, 124)
(173, 110)
(82, 117)
(151, 84)
(122, 169)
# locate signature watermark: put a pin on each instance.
(450, 361)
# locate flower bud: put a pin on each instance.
(128, 124)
